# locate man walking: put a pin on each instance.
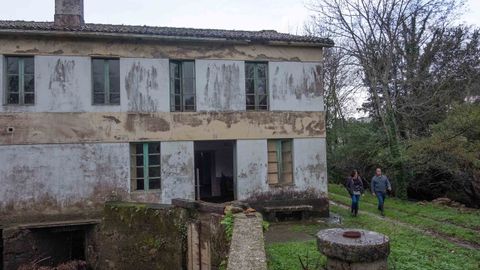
(379, 187)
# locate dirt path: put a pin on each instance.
(451, 239)
(474, 229)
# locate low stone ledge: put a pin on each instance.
(247, 248)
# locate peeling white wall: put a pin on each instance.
(295, 86)
(62, 175)
(251, 160)
(177, 165)
(146, 83)
(220, 85)
(64, 84)
(310, 164)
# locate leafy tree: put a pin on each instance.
(447, 163)
(414, 64)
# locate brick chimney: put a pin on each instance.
(69, 13)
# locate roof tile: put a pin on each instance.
(254, 36)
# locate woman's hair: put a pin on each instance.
(353, 173)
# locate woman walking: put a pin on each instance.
(355, 188)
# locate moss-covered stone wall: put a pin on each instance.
(141, 236)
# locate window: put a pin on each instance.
(182, 86)
(280, 168)
(145, 163)
(20, 80)
(106, 81)
(256, 86)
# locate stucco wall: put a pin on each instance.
(177, 167)
(295, 86)
(220, 85)
(10, 44)
(251, 160)
(50, 177)
(310, 163)
(146, 84)
(64, 84)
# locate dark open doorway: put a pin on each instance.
(214, 171)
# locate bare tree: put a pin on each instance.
(411, 59)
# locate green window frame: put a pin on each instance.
(182, 86)
(256, 86)
(145, 166)
(20, 80)
(105, 81)
(280, 162)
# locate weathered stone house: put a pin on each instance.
(95, 112)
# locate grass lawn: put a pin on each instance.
(410, 249)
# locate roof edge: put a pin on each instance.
(152, 37)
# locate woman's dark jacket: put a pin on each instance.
(354, 184)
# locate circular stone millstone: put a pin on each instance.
(370, 247)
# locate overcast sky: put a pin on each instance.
(281, 15)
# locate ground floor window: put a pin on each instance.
(280, 168)
(145, 163)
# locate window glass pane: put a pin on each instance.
(189, 108)
(153, 148)
(174, 70)
(154, 160)
(28, 65)
(140, 172)
(12, 82)
(261, 86)
(13, 98)
(261, 71)
(114, 75)
(250, 100)
(140, 184)
(249, 86)
(29, 83)
(154, 172)
(249, 70)
(99, 98)
(188, 85)
(154, 184)
(178, 102)
(139, 149)
(176, 86)
(188, 69)
(263, 100)
(98, 82)
(114, 84)
(115, 98)
(97, 66)
(139, 160)
(12, 65)
(189, 101)
(29, 99)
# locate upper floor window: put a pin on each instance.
(20, 80)
(145, 169)
(182, 86)
(106, 81)
(280, 165)
(256, 86)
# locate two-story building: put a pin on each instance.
(96, 112)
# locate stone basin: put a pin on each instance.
(345, 251)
